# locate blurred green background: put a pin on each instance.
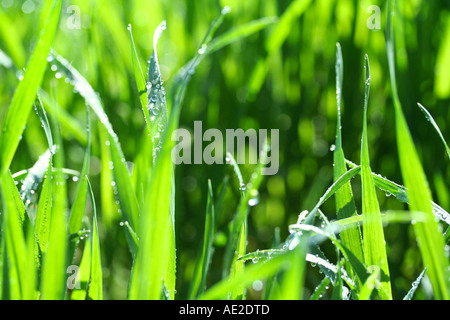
(281, 78)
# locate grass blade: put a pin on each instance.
(43, 215)
(26, 91)
(202, 267)
(95, 291)
(345, 204)
(430, 118)
(374, 243)
(429, 237)
(415, 286)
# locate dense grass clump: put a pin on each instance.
(94, 207)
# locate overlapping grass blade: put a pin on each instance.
(44, 211)
(202, 267)
(95, 291)
(415, 286)
(374, 243)
(122, 179)
(345, 204)
(429, 237)
(25, 93)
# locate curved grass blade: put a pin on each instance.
(415, 286)
(202, 267)
(345, 204)
(95, 291)
(128, 201)
(429, 237)
(374, 243)
(430, 118)
(26, 91)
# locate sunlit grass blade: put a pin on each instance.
(53, 281)
(258, 271)
(79, 204)
(26, 91)
(128, 201)
(345, 204)
(202, 267)
(140, 80)
(95, 291)
(415, 286)
(81, 282)
(16, 249)
(43, 215)
(430, 118)
(429, 237)
(374, 243)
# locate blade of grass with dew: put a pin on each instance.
(79, 204)
(345, 204)
(25, 93)
(148, 278)
(40, 111)
(400, 192)
(53, 284)
(202, 267)
(19, 205)
(44, 211)
(430, 118)
(415, 286)
(95, 291)
(83, 273)
(127, 199)
(319, 290)
(140, 80)
(255, 272)
(429, 237)
(374, 242)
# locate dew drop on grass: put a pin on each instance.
(254, 198)
(332, 148)
(242, 187)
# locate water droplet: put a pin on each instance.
(254, 198)
(75, 179)
(332, 148)
(242, 187)
(129, 27)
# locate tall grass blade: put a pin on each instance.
(429, 237)
(44, 211)
(345, 204)
(202, 267)
(26, 91)
(95, 291)
(415, 286)
(374, 243)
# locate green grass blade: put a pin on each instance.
(26, 91)
(79, 204)
(245, 279)
(95, 291)
(84, 273)
(429, 237)
(16, 248)
(202, 267)
(43, 215)
(430, 118)
(127, 199)
(345, 204)
(140, 80)
(374, 243)
(415, 286)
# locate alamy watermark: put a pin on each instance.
(374, 21)
(247, 147)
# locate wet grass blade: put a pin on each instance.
(140, 79)
(374, 243)
(95, 291)
(429, 237)
(125, 191)
(345, 204)
(430, 118)
(43, 215)
(202, 267)
(79, 204)
(26, 91)
(415, 286)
